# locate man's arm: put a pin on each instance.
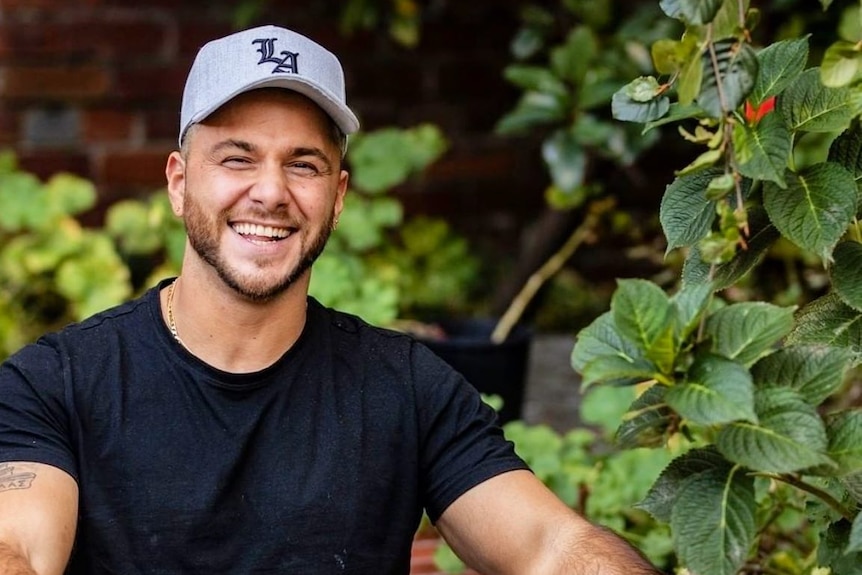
(38, 517)
(513, 524)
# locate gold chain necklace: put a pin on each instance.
(171, 323)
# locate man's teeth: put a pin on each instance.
(261, 231)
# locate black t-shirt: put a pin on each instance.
(320, 463)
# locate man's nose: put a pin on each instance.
(271, 188)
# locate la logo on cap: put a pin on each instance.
(287, 64)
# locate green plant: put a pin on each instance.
(771, 482)
(378, 265)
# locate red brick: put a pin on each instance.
(10, 127)
(146, 84)
(53, 82)
(126, 40)
(143, 168)
(106, 125)
(46, 163)
(163, 123)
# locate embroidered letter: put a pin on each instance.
(286, 64)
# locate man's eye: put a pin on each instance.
(304, 167)
(237, 161)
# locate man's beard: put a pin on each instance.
(203, 235)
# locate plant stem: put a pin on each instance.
(553, 264)
(815, 491)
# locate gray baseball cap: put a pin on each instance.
(267, 56)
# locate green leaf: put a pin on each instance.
(696, 12)
(676, 112)
(690, 303)
(387, 157)
(780, 64)
(840, 64)
(828, 320)
(815, 209)
(716, 390)
(613, 369)
(705, 160)
(844, 430)
(690, 80)
(533, 109)
(846, 150)
(790, 436)
(762, 236)
(737, 68)
(536, 79)
(726, 22)
(833, 548)
(854, 543)
(809, 106)
(573, 59)
(659, 501)
(566, 160)
(647, 420)
(642, 311)
(601, 338)
(746, 331)
(686, 215)
(762, 151)
(627, 110)
(713, 521)
(815, 371)
(846, 273)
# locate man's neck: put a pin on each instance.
(229, 332)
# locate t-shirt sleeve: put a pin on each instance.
(34, 422)
(462, 443)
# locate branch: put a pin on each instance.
(553, 264)
(827, 498)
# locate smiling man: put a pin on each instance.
(225, 422)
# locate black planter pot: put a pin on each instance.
(499, 369)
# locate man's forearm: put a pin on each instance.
(13, 563)
(603, 552)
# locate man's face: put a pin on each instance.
(259, 187)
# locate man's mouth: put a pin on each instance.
(259, 233)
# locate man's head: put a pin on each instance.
(258, 180)
(263, 57)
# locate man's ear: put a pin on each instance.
(343, 180)
(175, 172)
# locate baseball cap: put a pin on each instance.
(262, 57)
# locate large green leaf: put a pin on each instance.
(726, 22)
(790, 437)
(809, 106)
(746, 331)
(696, 12)
(685, 213)
(647, 420)
(828, 320)
(780, 64)
(533, 109)
(660, 499)
(762, 151)
(834, 548)
(816, 207)
(763, 236)
(846, 273)
(642, 311)
(815, 371)
(713, 521)
(854, 542)
(844, 430)
(716, 390)
(737, 71)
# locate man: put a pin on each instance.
(227, 423)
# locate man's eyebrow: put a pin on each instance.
(231, 143)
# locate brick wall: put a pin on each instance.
(94, 86)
